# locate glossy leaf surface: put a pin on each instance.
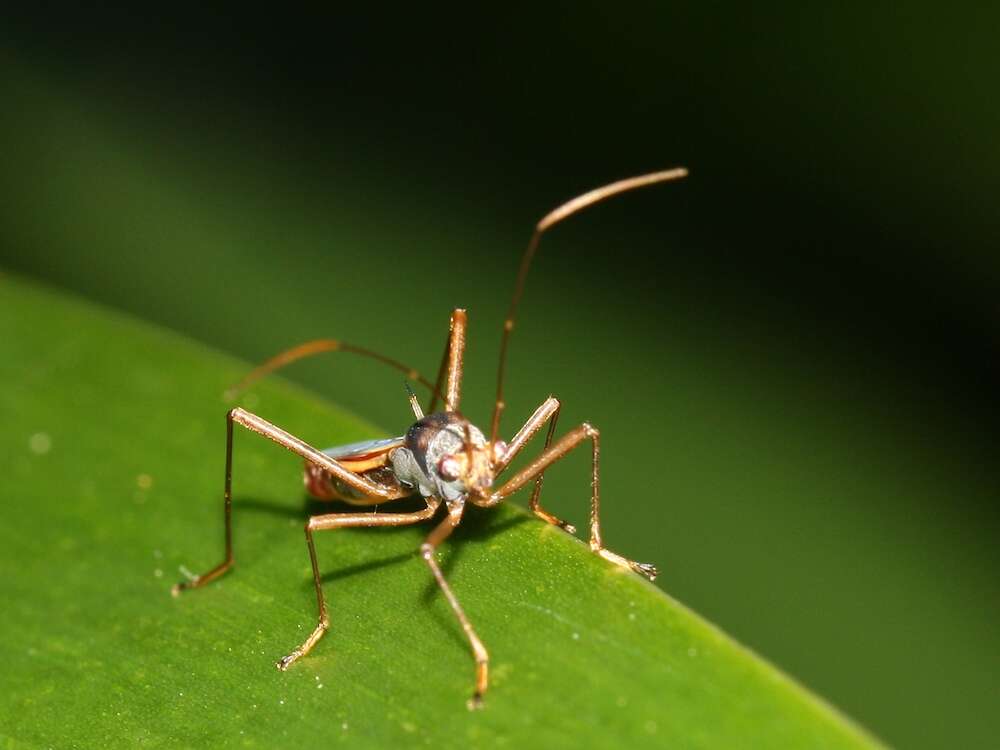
(113, 442)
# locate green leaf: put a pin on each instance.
(113, 435)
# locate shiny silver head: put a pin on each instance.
(449, 457)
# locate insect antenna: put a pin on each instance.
(414, 404)
(319, 346)
(554, 217)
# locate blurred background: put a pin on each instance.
(792, 355)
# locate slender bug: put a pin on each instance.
(442, 458)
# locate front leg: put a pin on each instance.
(548, 411)
(479, 653)
(552, 454)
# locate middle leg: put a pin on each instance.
(341, 521)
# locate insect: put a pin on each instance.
(442, 458)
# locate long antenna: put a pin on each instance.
(554, 217)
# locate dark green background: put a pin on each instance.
(792, 355)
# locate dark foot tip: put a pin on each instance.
(646, 569)
(568, 527)
(475, 702)
(286, 661)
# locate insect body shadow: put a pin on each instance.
(477, 527)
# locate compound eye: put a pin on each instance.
(499, 450)
(449, 468)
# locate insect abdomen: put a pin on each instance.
(369, 458)
(322, 485)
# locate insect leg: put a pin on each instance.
(340, 521)
(548, 411)
(262, 427)
(450, 371)
(438, 535)
(563, 446)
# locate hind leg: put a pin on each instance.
(285, 439)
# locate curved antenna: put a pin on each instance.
(554, 217)
(320, 346)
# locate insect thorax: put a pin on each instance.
(427, 442)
